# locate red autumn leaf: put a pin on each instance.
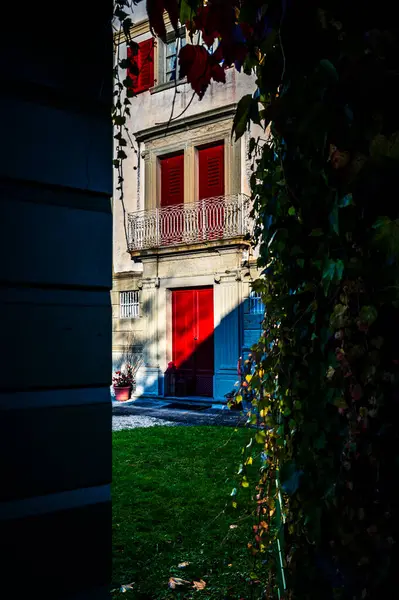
(172, 8)
(208, 22)
(199, 67)
(356, 392)
(155, 9)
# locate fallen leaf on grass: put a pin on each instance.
(199, 585)
(175, 581)
(233, 526)
(183, 564)
(124, 588)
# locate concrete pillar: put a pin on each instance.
(228, 323)
(148, 374)
(56, 253)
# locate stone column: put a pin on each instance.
(149, 374)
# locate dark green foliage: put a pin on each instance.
(324, 188)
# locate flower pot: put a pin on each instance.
(122, 393)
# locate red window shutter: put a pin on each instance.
(172, 180)
(130, 74)
(211, 171)
(145, 64)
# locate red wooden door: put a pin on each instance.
(193, 339)
(172, 193)
(211, 184)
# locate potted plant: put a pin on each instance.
(123, 382)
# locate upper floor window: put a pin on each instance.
(172, 179)
(168, 56)
(211, 171)
(129, 305)
(141, 73)
(256, 306)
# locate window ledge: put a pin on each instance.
(167, 85)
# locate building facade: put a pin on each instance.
(182, 264)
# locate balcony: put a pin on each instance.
(210, 220)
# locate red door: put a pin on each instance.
(172, 194)
(211, 185)
(192, 333)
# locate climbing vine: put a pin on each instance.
(324, 382)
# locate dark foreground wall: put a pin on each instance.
(55, 316)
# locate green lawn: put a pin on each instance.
(171, 503)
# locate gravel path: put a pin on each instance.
(120, 422)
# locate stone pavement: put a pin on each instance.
(146, 412)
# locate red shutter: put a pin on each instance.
(145, 63)
(172, 180)
(211, 171)
(130, 73)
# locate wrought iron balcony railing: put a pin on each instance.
(219, 218)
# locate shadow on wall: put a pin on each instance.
(204, 367)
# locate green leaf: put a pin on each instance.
(333, 218)
(368, 314)
(329, 70)
(292, 211)
(119, 120)
(127, 23)
(332, 273)
(345, 201)
(241, 118)
(187, 10)
(254, 111)
(381, 222)
(320, 442)
(317, 232)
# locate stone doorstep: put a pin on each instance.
(160, 401)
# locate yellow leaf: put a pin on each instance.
(245, 484)
(248, 378)
(238, 399)
(263, 412)
(260, 436)
(249, 461)
(234, 504)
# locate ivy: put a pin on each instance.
(324, 376)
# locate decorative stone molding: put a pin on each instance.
(217, 278)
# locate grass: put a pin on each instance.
(171, 503)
